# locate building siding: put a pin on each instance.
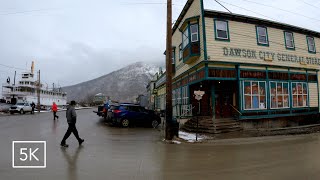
(313, 94)
(243, 35)
(194, 10)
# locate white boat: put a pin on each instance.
(26, 90)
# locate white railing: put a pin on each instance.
(16, 93)
(182, 110)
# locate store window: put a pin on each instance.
(279, 95)
(288, 36)
(254, 95)
(178, 96)
(185, 95)
(262, 35)
(221, 30)
(299, 94)
(311, 44)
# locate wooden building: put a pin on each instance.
(248, 67)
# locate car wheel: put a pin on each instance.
(21, 111)
(155, 123)
(125, 123)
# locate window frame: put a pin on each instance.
(197, 33)
(173, 55)
(180, 52)
(257, 36)
(185, 37)
(285, 40)
(184, 95)
(314, 45)
(298, 94)
(282, 94)
(251, 95)
(216, 30)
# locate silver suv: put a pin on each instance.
(21, 108)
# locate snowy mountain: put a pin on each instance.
(123, 85)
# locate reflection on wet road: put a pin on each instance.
(138, 153)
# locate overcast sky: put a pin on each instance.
(75, 40)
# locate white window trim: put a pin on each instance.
(313, 44)
(227, 29)
(185, 37)
(185, 97)
(197, 33)
(243, 95)
(270, 100)
(285, 36)
(307, 105)
(266, 36)
(180, 51)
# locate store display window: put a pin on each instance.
(279, 95)
(299, 94)
(254, 95)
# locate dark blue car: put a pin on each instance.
(126, 115)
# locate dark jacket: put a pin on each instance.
(71, 115)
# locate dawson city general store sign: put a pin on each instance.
(269, 56)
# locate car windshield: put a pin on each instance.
(20, 104)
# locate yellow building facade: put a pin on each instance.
(247, 67)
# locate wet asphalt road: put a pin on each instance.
(139, 153)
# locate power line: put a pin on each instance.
(249, 10)
(284, 10)
(148, 3)
(12, 67)
(27, 11)
(223, 6)
(310, 4)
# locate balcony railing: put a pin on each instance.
(181, 110)
(191, 52)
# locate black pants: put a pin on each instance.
(55, 115)
(71, 129)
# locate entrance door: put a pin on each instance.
(223, 102)
(224, 92)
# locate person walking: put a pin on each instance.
(54, 110)
(32, 106)
(71, 119)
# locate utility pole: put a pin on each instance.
(38, 91)
(169, 121)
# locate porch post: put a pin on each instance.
(213, 98)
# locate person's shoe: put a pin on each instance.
(81, 141)
(64, 145)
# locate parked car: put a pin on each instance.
(4, 107)
(21, 108)
(102, 109)
(109, 116)
(129, 114)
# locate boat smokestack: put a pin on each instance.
(32, 67)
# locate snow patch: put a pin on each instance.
(176, 142)
(191, 137)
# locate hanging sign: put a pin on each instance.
(199, 94)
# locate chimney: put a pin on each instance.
(32, 67)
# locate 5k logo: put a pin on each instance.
(29, 154)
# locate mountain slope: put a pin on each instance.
(123, 85)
